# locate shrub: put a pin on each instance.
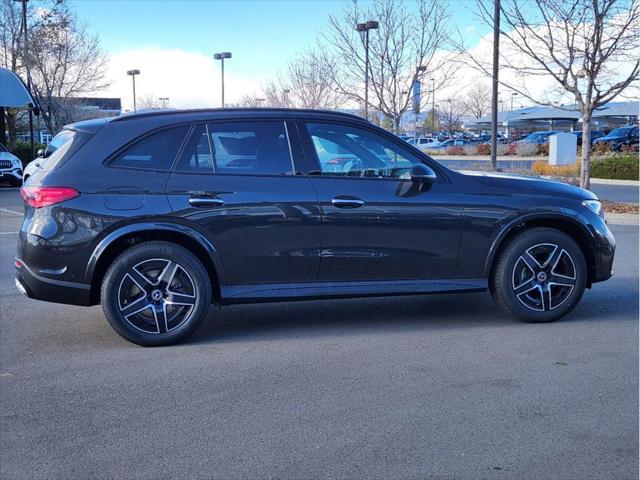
(501, 149)
(22, 150)
(432, 153)
(543, 149)
(526, 149)
(455, 150)
(616, 167)
(469, 150)
(630, 148)
(542, 167)
(600, 148)
(511, 149)
(483, 149)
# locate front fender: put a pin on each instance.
(570, 217)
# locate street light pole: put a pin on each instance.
(513, 94)
(259, 102)
(285, 94)
(433, 107)
(365, 27)
(133, 74)
(221, 56)
(164, 100)
(494, 95)
(26, 64)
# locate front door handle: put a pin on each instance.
(206, 202)
(347, 202)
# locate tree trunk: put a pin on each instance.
(585, 170)
(3, 127)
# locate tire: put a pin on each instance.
(540, 276)
(155, 293)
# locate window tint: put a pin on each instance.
(349, 151)
(197, 154)
(250, 148)
(155, 152)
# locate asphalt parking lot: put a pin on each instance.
(407, 387)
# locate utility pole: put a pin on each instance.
(494, 96)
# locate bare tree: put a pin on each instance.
(149, 101)
(62, 59)
(586, 49)
(477, 101)
(451, 114)
(304, 84)
(406, 38)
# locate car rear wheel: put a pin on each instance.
(156, 293)
(540, 276)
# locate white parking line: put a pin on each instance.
(10, 211)
(9, 233)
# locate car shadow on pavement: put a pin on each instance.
(348, 317)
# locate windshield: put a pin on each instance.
(619, 132)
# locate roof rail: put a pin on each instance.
(223, 110)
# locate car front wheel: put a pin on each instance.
(540, 276)
(156, 293)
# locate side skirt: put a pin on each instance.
(305, 291)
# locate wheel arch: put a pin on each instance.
(127, 236)
(564, 223)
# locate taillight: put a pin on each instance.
(38, 197)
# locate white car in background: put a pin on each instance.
(423, 142)
(10, 167)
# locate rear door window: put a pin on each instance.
(154, 152)
(63, 146)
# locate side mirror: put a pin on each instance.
(422, 174)
(40, 153)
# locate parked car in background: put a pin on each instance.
(158, 215)
(594, 135)
(539, 138)
(60, 142)
(423, 142)
(619, 137)
(10, 167)
(450, 143)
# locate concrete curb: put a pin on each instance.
(622, 218)
(606, 181)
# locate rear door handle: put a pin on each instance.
(206, 202)
(347, 202)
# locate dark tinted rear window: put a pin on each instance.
(154, 152)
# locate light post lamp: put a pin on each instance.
(285, 94)
(221, 56)
(513, 94)
(26, 64)
(364, 28)
(133, 74)
(164, 101)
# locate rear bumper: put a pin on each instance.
(48, 289)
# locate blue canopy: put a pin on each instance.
(13, 92)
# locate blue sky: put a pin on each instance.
(262, 34)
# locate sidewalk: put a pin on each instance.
(621, 218)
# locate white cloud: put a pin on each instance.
(190, 80)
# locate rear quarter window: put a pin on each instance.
(156, 151)
(63, 145)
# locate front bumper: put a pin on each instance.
(15, 174)
(41, 287)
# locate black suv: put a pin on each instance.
(158, 215)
